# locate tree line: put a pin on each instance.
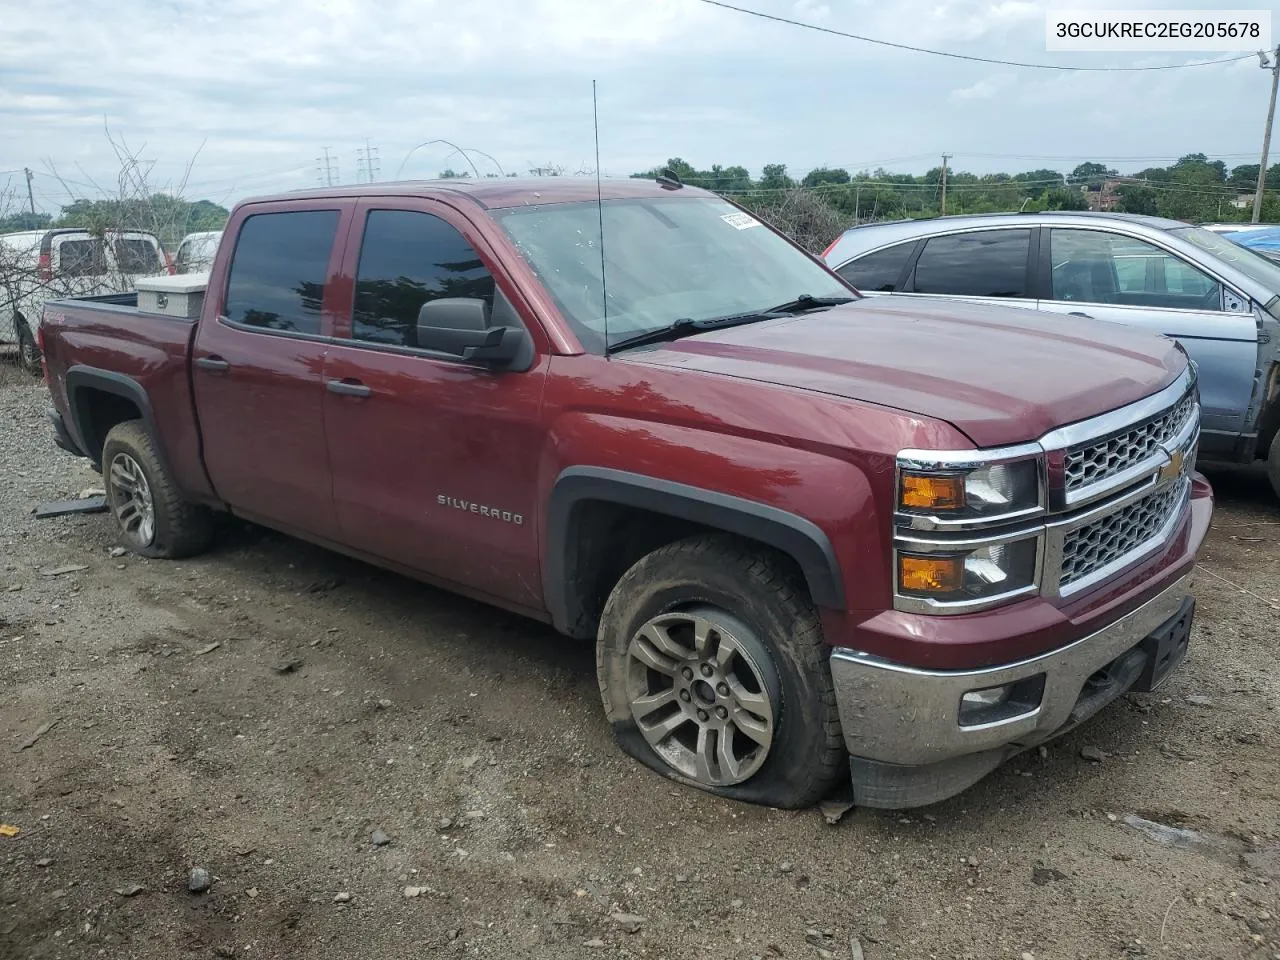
(169, 217)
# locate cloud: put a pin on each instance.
(985, 89)
(261, 87)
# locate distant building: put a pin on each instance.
(1102, 196)
(1243, 201)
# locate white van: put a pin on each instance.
(41, 265)
(195, 253)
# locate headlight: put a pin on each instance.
(998, 570)
(981, 492)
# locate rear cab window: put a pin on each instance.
(982, 263)
(79, 255)
(279, 268)
(136, 255)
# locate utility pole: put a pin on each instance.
(1274, 67)
(329, 172)
(945, 158)
(30, 197)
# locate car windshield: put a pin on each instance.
(1251, 264)
(666, 259)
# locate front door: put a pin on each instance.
(257, 367)
(1111, 276)
(435, 460)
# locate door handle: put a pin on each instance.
(1079, 313)
(214, 363)
(347, 388)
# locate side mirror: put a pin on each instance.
(460, 326)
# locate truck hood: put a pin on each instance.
(1002, 375)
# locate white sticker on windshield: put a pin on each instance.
(740, 221)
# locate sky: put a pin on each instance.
(233, 98)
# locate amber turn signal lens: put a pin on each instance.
(930, 574)
(922, 491)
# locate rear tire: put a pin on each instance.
(151, 517)
(714, 673)
(28, 351)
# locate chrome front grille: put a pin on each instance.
(1097, 460)
(1114, 537)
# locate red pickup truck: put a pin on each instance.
(813, 535)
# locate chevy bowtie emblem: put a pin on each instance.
(1173, 468)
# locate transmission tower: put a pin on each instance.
(327, 169)
(367, 163)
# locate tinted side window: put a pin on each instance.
(136, 256)
(279, 269)
(81, 258)
(406, 259)
(878, 272)
(989, 263)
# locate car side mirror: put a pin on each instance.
(460, 326)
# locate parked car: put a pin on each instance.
(811, 533)
(1219, 300)
(38, 265)
(196, 252)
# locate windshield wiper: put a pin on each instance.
(683, 327)
(807, 301)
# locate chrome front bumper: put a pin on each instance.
(901, 715)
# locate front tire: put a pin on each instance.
(713, 672)
(151, 517)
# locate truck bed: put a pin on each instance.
(134, 358)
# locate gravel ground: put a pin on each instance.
(260, 711)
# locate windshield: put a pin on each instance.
(667, 259)
(1251, 264)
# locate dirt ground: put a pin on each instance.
(475, 741)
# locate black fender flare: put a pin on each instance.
(801, 539)
(80, 380)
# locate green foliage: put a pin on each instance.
(1136, 199)
(824, 175)
(170, 218)
(24, 221)
(1194, 189)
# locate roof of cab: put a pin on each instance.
(497, 192)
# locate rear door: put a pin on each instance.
(982, 266)
(1110, 275)
(434, 459)
(257, 364)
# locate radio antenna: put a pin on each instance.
(604, 289)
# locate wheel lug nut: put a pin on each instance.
(684, 695)
(706, 670)
(722, 689)
(702, 715)
(688, 674)
(722, 713)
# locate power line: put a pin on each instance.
(964, 56)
